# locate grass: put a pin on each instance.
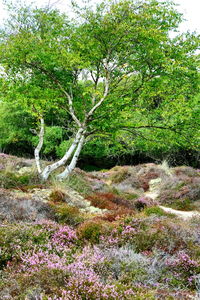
(183, 204)
(75, 181)
(155, 210)
(11, 180)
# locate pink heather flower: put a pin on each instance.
(32, 262)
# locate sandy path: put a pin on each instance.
(153, 193)
(181, 214)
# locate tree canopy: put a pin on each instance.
(114, 77)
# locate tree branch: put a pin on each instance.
(90, 113)
(70, 98)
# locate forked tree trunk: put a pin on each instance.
(78, 142)
(49, 169)
(73, 162)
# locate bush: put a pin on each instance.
(66, 214)
(109, 201)
(120, 174)
(117, 214)
(15, 239)
(183, 269)
(22, 208)
(155, 210)
(102, 201)
(143, 202)
(37, 285)
(183, 204)
(92, 230)
(181, 189)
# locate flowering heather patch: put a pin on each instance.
(116, 255)
(143, 202)
(42, 259)
(121, 235)
(183, 268)
(65, 236)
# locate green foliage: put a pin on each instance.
(152, 105)
(91, 231)
(183, 204)
(61, 149)
(15, 124)
(53, 136)
(25, 236)
(156, 211)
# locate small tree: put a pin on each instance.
(112, 57)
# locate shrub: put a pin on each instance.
(66, 214)
(109, 201)
(15, 239)
(117, 214)
(91, 230)
(148, 173)
(183, 204)
(143, 202)
(102, 201)
(184, 270)
(155, 210)
(38, 285)
(186, 171)
(182, 188)
(119, 175)
(24, 241)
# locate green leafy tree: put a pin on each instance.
(112, 70)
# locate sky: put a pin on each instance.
(189, 8)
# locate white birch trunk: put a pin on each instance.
(77, 143)
(73, 162)
(39, 146)
(49, 169)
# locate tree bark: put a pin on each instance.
(49, 169)
(73, 162)
(39, 146)
(78, 142)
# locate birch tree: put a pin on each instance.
(78, 65)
